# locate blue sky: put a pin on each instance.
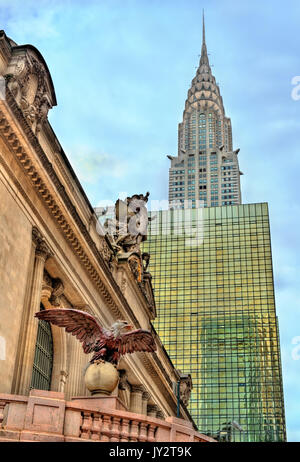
(121, 70)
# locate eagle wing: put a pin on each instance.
(136, 340)
(79, 323)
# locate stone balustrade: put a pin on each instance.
(47, 416)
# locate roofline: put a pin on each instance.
(70, 168)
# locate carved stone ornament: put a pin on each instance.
(136, 267)
(129, 226)
(101, 378)
(42, 249)
(186, 387)
(45, 295)
(105, 250)
(58, 290)
(123, 284)
(28, 81)
(123, 381)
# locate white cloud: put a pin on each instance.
(93, 166)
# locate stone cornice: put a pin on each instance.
(40, 185)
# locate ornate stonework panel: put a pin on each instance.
(186, 387)
(30, 83)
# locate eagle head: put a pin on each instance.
(119, 326)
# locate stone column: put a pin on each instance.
(152, 410)
(160, 415)
(42, 252)
(136, 399)
(145, 398)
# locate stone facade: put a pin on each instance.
(52, 255)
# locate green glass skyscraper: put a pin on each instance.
(213, 283)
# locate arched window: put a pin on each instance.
(43, 357)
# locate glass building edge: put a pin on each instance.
(278, 334)
(281, 380)
(237, 214)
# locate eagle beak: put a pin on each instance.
(128, 327)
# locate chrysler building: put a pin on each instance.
(206, 169)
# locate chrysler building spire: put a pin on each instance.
(204, 56)
(206, 168)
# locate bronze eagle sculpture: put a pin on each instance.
(107, 344)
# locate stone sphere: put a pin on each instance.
(101, 379)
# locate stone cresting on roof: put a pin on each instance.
(42, 190)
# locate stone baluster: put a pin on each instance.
(96, 427)
(42, 252)
(152, 410)
(105, 430)
(86, 425)
(136, 399)
(151, 433)
(115, 429)
(145, 398)
(143, 432)
(134, 431)
(125, 430)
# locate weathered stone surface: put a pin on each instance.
(50, 418)
(15, 238)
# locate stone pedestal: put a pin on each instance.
(44, 418)
(101, 403)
